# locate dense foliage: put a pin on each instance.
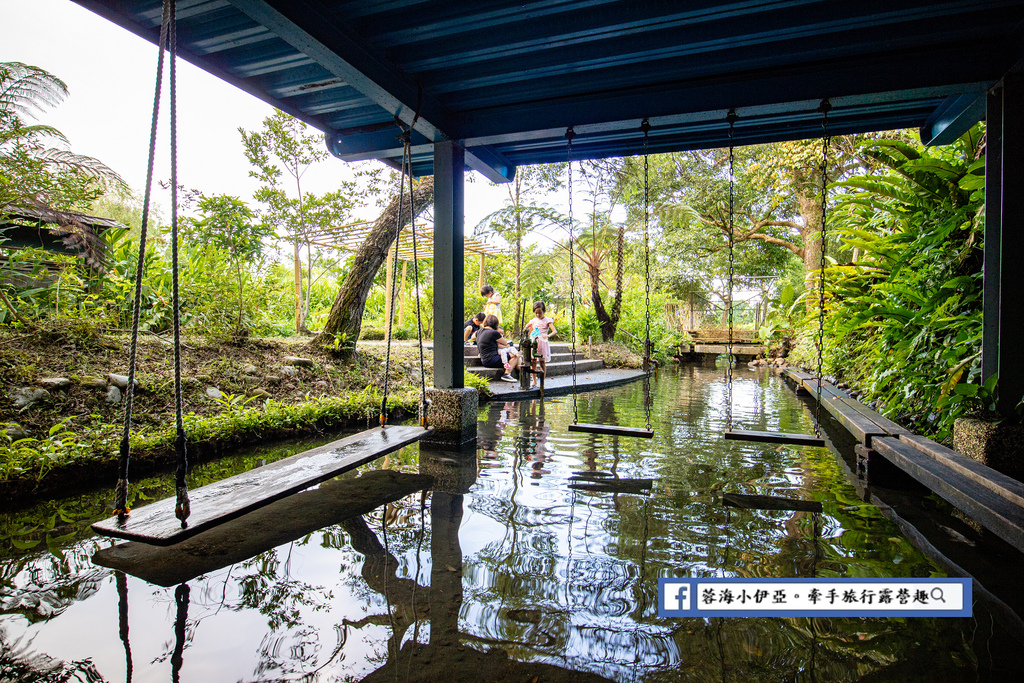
(904, 316)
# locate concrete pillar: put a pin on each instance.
(453, 408)
(1003, 324)
(449, 253)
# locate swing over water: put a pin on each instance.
(538, 555)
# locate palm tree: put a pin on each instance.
(36, 168)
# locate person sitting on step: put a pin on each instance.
(495, 350)
(471, 327)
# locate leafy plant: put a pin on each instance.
(904, 317)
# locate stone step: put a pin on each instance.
(471, 351)
(553, 370)
(474, 361)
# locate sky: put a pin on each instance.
(110, 75)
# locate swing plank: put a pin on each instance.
(612, 430)
(748, 502)
(611, 485)
(255, 532)
(224, 500)
(774, 437)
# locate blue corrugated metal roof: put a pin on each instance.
(506, 78)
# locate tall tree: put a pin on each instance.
(604, 240)
(36, 167)
(522, 214)
(285, 147)
(346, 316)
(227, 224)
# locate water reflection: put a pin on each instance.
(536, 555)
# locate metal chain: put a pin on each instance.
(121, 490)
(826, 106)
(406, 165)
(569, 135)
(646, 128)
(182, 507)
(423, 406)
(731, 118)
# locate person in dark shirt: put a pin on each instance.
(495, 350)
(472, 326)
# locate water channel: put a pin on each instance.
(504, 571)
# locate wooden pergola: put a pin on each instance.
(348, 238)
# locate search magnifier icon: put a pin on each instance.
(937, 594)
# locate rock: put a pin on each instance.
(249, 379)
(273, 379)
(55, 383)
(120, 381)
(291, 372)
(261, 392)
(214, 393)
(300, 362)
(113, 396)
(26, 396)
(320, 384)
(16, 431)
(95, 383)
(250, 369)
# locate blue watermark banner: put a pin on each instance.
(741, 597)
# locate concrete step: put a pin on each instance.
(554, 369)
(472, 351)
(474, 361)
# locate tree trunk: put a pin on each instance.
(346, 317)
(810, 212)
(300, 324)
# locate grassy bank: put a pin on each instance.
(234, 395)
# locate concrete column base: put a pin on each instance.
(452, 414)
(453, 472)
(995, 444)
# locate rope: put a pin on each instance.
(569, 135)
(406, 163)
(122, 619)
(406, 137)
(182, 508)
(121, 490)
(646, 128)
(826, 106)
(731, 118)
(181, 599)
(424, 405)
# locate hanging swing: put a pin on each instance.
(172, 520)
(614, 430)
(779, 437)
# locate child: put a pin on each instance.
(471, 327)
(493, 306)
(541, 328)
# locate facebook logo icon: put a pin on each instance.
(674, 597)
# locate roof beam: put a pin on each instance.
(953, 118)
(309, 29)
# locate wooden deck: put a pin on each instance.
(991, 498)
(224, 500)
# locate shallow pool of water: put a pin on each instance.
(503, 571)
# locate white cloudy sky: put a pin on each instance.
(110, 73)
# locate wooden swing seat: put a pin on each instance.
(229, 498)
(774, 437)
(270, 526)
(612, 430)
(748, 502)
